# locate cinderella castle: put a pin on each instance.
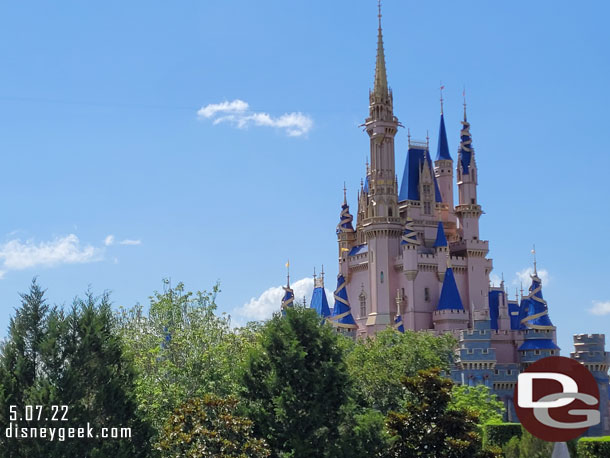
(415, 260)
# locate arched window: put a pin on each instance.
(381, 277)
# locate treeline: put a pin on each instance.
(188, 384)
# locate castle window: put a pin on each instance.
(362, 305)
(427, 294)
(510, 371)
(536, 352)
(426, 189)
(427, 209)
(472, 201)
(381, 277)
(390, 212)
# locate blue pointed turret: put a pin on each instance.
(342, 312)
(345, 222)
(534, 317)
(450, 296)
(534, 313)
(288, 299)
(442, 153)
(318, 300)
(465, 152)
(441, 239)
(409, 236)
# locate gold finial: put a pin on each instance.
(409, 134)
(314, 277)
(441, 90)
(322, 275)
(379, 12)
(427, 139)
(344, 193)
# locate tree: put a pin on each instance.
(210, 428)
(182, 350)
(53, 358)
(377, 365)
(297, 386)
(427, 427)
(479, 400)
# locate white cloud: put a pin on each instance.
(237, 113)
(18, 255)
(130, 242)
(110, 240)
(495, 279)
(600, 308)
(525, 277)
(263, 306)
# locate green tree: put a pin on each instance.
(182, 350)
(479, 400)
(73, 359)
(427, 427)
(377, 365)
(297, 386)
(210, 428)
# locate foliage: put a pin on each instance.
(532, 447)
(498, 433)
(479, 400)
(427, 427)
(182, 350)
(209, 428)
(56, 358)
(593, 447)
(297, 386)
(377, 365)
(362, 435)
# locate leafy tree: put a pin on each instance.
(377, 365)
(427, 427)
(479, 400)
(297, 386)
(182, 350)
(210, 428)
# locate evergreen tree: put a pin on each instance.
(55, 359)
(297, 386)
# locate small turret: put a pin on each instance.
(346, 236)
(342, 317)
(288, 299)
(318, 300)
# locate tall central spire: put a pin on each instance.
(381, 80)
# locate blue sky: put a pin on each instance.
(100, 136)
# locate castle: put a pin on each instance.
(415, 260)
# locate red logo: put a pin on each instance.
(557, 399)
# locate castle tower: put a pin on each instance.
(468, 210)
(319, 302)
(443, 171)
(590, 350)
(341, 317)
(539, 334)
(381, 226)
(288, 299)
(449, 314)
(346, 236)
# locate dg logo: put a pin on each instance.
(557, 399)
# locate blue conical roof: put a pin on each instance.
(345, 222)
(535, 314)
(319, 302)
(342, 312)
(465, 146)
(441, 240)
(288, 299)
(450, 296)
(442, 153)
